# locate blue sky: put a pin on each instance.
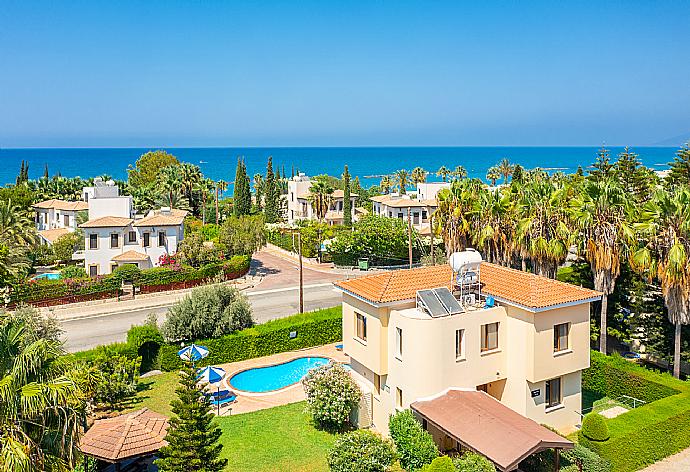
(303, 73)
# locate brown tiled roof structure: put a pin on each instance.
(522, 288)
(107, 222)
(56, 204)
(400, 202)
(135, 434)
(481, 423)
(128, 256)
(338, 193)
(158, 218)
(54, 234)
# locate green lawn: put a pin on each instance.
(277, 439)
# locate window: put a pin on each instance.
(147, 239)
(560, 337)
(93, 270)
(390, 214)
(415, 217)
(377, 384)
(400, 215)
(398, 397)
(459, 344)
(424, 215)
(489, 337)
(93, 241)
(66, 219)
(398, 342)
(361, 327)
(553, 392)
(132, 237)
(113, 266)
(161, 238)
(114, 241)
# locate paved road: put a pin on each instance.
(679, 462)
(276, 296)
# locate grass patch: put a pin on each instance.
(275, 440)
(155, 393)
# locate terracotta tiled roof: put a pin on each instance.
(56, 204)
(399, 202)
(157, 218)
(338, 193)
(477, 421)
(522, 288)
(128, 256)
(134, 434)
(54, 234)
(107, 222)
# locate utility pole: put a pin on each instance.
(431, 230)
(301, 283)
(409, 234)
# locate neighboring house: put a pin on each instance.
(419, 208)
(55, 218)
(418, 335)
(299, 203)
(115, 236)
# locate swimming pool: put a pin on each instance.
(47, 276)
(275, 377)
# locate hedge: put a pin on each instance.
(613, 376)
(312, 329)
(645, 434)
(594, 427)
(43, 290)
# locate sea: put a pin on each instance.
(368, 163)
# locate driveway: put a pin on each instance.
(278, 272)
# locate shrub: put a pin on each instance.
(332, 394)
(473, 462)
(440, 464)
(65, 245)
(118, 376)
(73, 272)
(361, 451)
(146, 340)
(415, 446)
(594, 427)
(311, 329)
(243, 234)
(208, 312)
(127, 272)
(590, 460)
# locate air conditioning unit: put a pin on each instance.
(469, 299)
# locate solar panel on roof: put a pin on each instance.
(431, 303)
(453, 307)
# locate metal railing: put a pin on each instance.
(623, 400)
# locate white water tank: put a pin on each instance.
(466, 260)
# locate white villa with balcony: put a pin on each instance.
(299, 205)
(431, 338)
(418, 206)
(55, 218)
(115, 235)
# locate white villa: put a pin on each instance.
(482, 354)
(115, 235)
(419, 208)
(299, 205)
(55, 218)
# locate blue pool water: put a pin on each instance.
(47, 277)
(275, 377)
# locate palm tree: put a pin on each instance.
(454, 217)
(604, 218)
(402, 180)
(418, 175)
(505, 168)
(320, 197)
(545, 224)
(40, 405)
(173, 199)
(665, 224)
(494, 226)
(15, 227)
(190, 176)
(170, 183)
(493, 175)
(386, 184)
(460, 172)
(204, 187)
(443, 172)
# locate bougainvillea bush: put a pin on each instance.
(331, 395)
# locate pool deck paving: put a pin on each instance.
(247, 402)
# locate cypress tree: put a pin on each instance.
(603, 169)
(283, 174)
(45, 172)
(192, 436)
(347, 204)
(271, 203)
(292, 171)
(242, 196)
(247, 192)
(23, 173)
